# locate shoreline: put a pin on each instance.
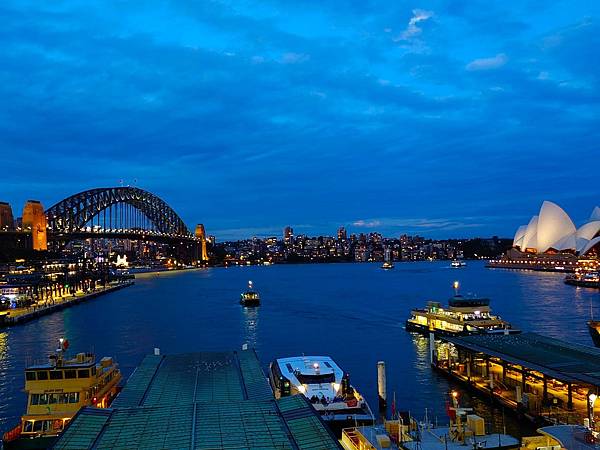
(7, 320)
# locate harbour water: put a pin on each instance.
(353, 312)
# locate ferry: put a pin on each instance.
(594, 329)
(463, 316)
(325, 385)
(56, 390)
(250, 297)
(387, 260)
(457, 264)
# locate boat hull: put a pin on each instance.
(594, 329)
(37, 443)
(424, 329)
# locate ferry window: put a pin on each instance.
(73, 397)
(47, 425)
(56, 374)
(94, 371)
(28, 427)
(43, 399)
(314, 379)
(64, 398)
(83, 373)
(37, 425)
(70, 374)
(42, 375)
(35, 399)
(30, 376)
(53, 398)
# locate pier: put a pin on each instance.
(542, 379)
(202, 400)
(22, 315)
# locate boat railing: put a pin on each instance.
(13, 434)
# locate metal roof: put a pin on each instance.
(558, 359)
(201, 401)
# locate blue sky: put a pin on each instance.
(443, 118)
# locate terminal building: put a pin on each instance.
(544, 379)
(199, 401)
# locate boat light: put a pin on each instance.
(302, 389)
(456, 285)
(316, 365)
(336, 386)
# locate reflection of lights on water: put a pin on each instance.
(251, 326)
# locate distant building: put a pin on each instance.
(34, 220)
(341, 234)
(7, 221)
(288, 234)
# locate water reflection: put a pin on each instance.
(251, 316)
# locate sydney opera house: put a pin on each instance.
(551, 241)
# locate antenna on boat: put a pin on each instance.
(249, 284)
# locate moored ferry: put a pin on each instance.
(594, 329)
(250, 297)
(56, 390)
(325, 385)
(464, 315)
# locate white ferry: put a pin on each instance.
(457, 263)
(464, 315)
(325, 385)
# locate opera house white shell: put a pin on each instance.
(553, 229)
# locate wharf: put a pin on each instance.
(542, 379)
(22, 315)
(202, 400)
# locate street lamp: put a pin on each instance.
(592, 397)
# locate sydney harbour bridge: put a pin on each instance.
(113, 213)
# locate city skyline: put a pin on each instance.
(443, 119)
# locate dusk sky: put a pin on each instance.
(444, 118)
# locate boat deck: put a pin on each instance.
(438, 439)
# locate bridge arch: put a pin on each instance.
(72, 214)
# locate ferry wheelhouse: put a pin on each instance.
(463, 316)
(250, 297)
(325, 385)
(56, 391)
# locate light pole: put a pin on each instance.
(592, 397)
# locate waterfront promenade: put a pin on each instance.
(21, 315)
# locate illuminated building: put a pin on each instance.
(201, 234)
(552, 231)
(34, 220)
(288, 234)
(341, 234)
(7, 222)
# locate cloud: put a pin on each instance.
(412, 30)
(488, 63)
(366, 223)
(294, 58)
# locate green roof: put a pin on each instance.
(558, 359)
(201, 401)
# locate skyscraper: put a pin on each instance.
(34, 220)
(341, 234)
(7, 221)
(288, 234)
